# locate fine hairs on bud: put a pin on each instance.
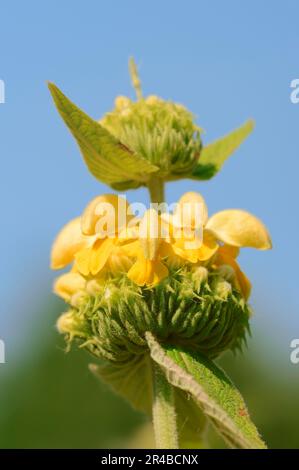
(113, 319)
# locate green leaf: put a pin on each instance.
(211, 389)
(214, 155)
(191, 421)
(132, 380)
(106, 158)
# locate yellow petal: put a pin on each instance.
(147, 272)
(191, 211)
(93, 259)
(119, 261)
(130, 232)
(132, 249)
(105, 215)
(100, 254)
(68, 242)
(232, 251)
(82, 261)
(207, 249)
(243, 283)
(68, 284)
(239, 228)
(150, 234)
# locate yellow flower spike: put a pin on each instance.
(105, 215)
(68, 284)
(67, 243)
(239, 228)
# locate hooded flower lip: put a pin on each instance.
(106, 217)
(67, 243)
(240, 229)
(93, 240)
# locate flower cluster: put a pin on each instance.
(109, 252)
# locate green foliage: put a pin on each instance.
(211, 389)
(106, 157)
(137, 140)
(132, 380)
(215, 154)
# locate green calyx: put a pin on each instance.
(196, 309)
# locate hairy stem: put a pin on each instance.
(164, 416)
(156, 190)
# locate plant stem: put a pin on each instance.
(156, 190)
(164, 416)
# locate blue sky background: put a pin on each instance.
(226, 61)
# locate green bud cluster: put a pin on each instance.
(160, 131)
(196, 308)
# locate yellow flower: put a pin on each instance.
(222, 236)
(68, 242)
(149, 250)
(236, 229)
(227, 255)
(67, 285)
(190, 240)
(106, 218)
(94, 240)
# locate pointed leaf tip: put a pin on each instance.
(213, 155)
(106, 158)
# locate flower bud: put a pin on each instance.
(161, 131)
(71, 324)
